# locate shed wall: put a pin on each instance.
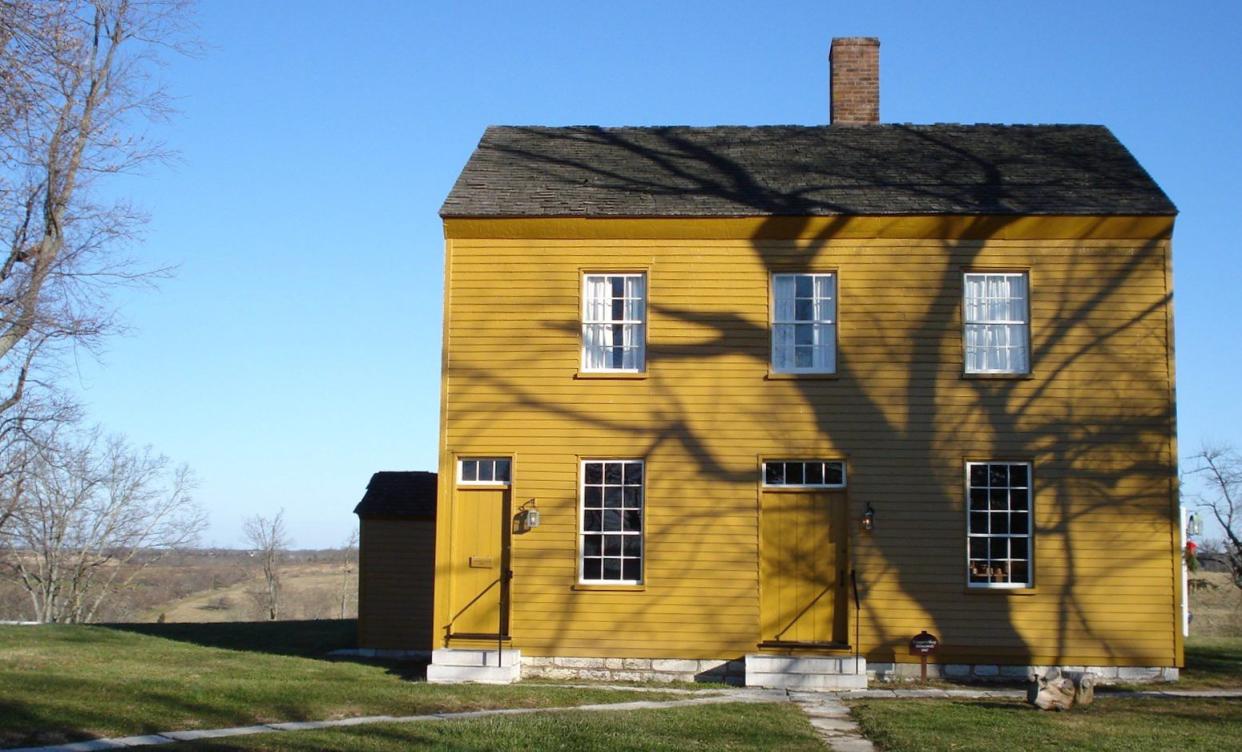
(395, 583)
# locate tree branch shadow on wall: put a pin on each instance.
(922, 422)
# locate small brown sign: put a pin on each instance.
(481, 562)
(924, 643)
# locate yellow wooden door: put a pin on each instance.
(478, 587)
(801, 567)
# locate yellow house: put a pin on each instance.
(765, 403)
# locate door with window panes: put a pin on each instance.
(802, 556)
(479, 582)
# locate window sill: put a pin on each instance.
(781, 376)
(1003, 590)
(998, 376)
(627, 375)
(582, 587)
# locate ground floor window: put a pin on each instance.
(998, 527)
(611, 527)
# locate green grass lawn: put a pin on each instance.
(60, 683)
(709, 727)
(1212, 662)
(1111, 724)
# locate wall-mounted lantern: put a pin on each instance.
(527, 517)
(1194, 525)
(868, 518)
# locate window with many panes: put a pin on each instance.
(804, 323)
(995, 313)
(613, 322)
(486, 470)
(804, 473)
(998, 528)
(612, 522)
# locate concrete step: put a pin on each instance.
(822, 682)
(475, 657)
(815, 672)
(805, 664)
(456, 666)
(473, 674)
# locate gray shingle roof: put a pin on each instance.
(399, 494)
(586, 171)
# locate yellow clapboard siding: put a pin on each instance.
(1094, 418)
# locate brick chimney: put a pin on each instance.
(854, 67)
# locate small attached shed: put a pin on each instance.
(396, 561)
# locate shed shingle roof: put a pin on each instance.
(399, 494)
(736, 171)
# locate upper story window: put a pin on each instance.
(483, 470)
(998, 524)
(804, 323)
(614, 315)
(995, 311)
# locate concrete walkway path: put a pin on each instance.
(711, 697)
(832, 721)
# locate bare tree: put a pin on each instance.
(270, 540)
(92, 513)
(25, 429)
(1219, 472)
(349, 557)
(76, 88)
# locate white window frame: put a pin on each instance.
(1029, 535)
(641, 533)
(639, 324)
(1024, 323)
(818, 323)
(461, 479)
(763, 474)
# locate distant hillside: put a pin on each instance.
(215, 585)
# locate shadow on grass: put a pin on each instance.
(1215, 658)
(303, 639)
(307, 639)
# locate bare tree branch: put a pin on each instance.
(76, 88)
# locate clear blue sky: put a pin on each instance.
(297, 349)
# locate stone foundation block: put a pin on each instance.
(1139, 674)
(579, 662)
(665, 665)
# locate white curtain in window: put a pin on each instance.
(826, 297)
(596, 336)
(783, 334)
